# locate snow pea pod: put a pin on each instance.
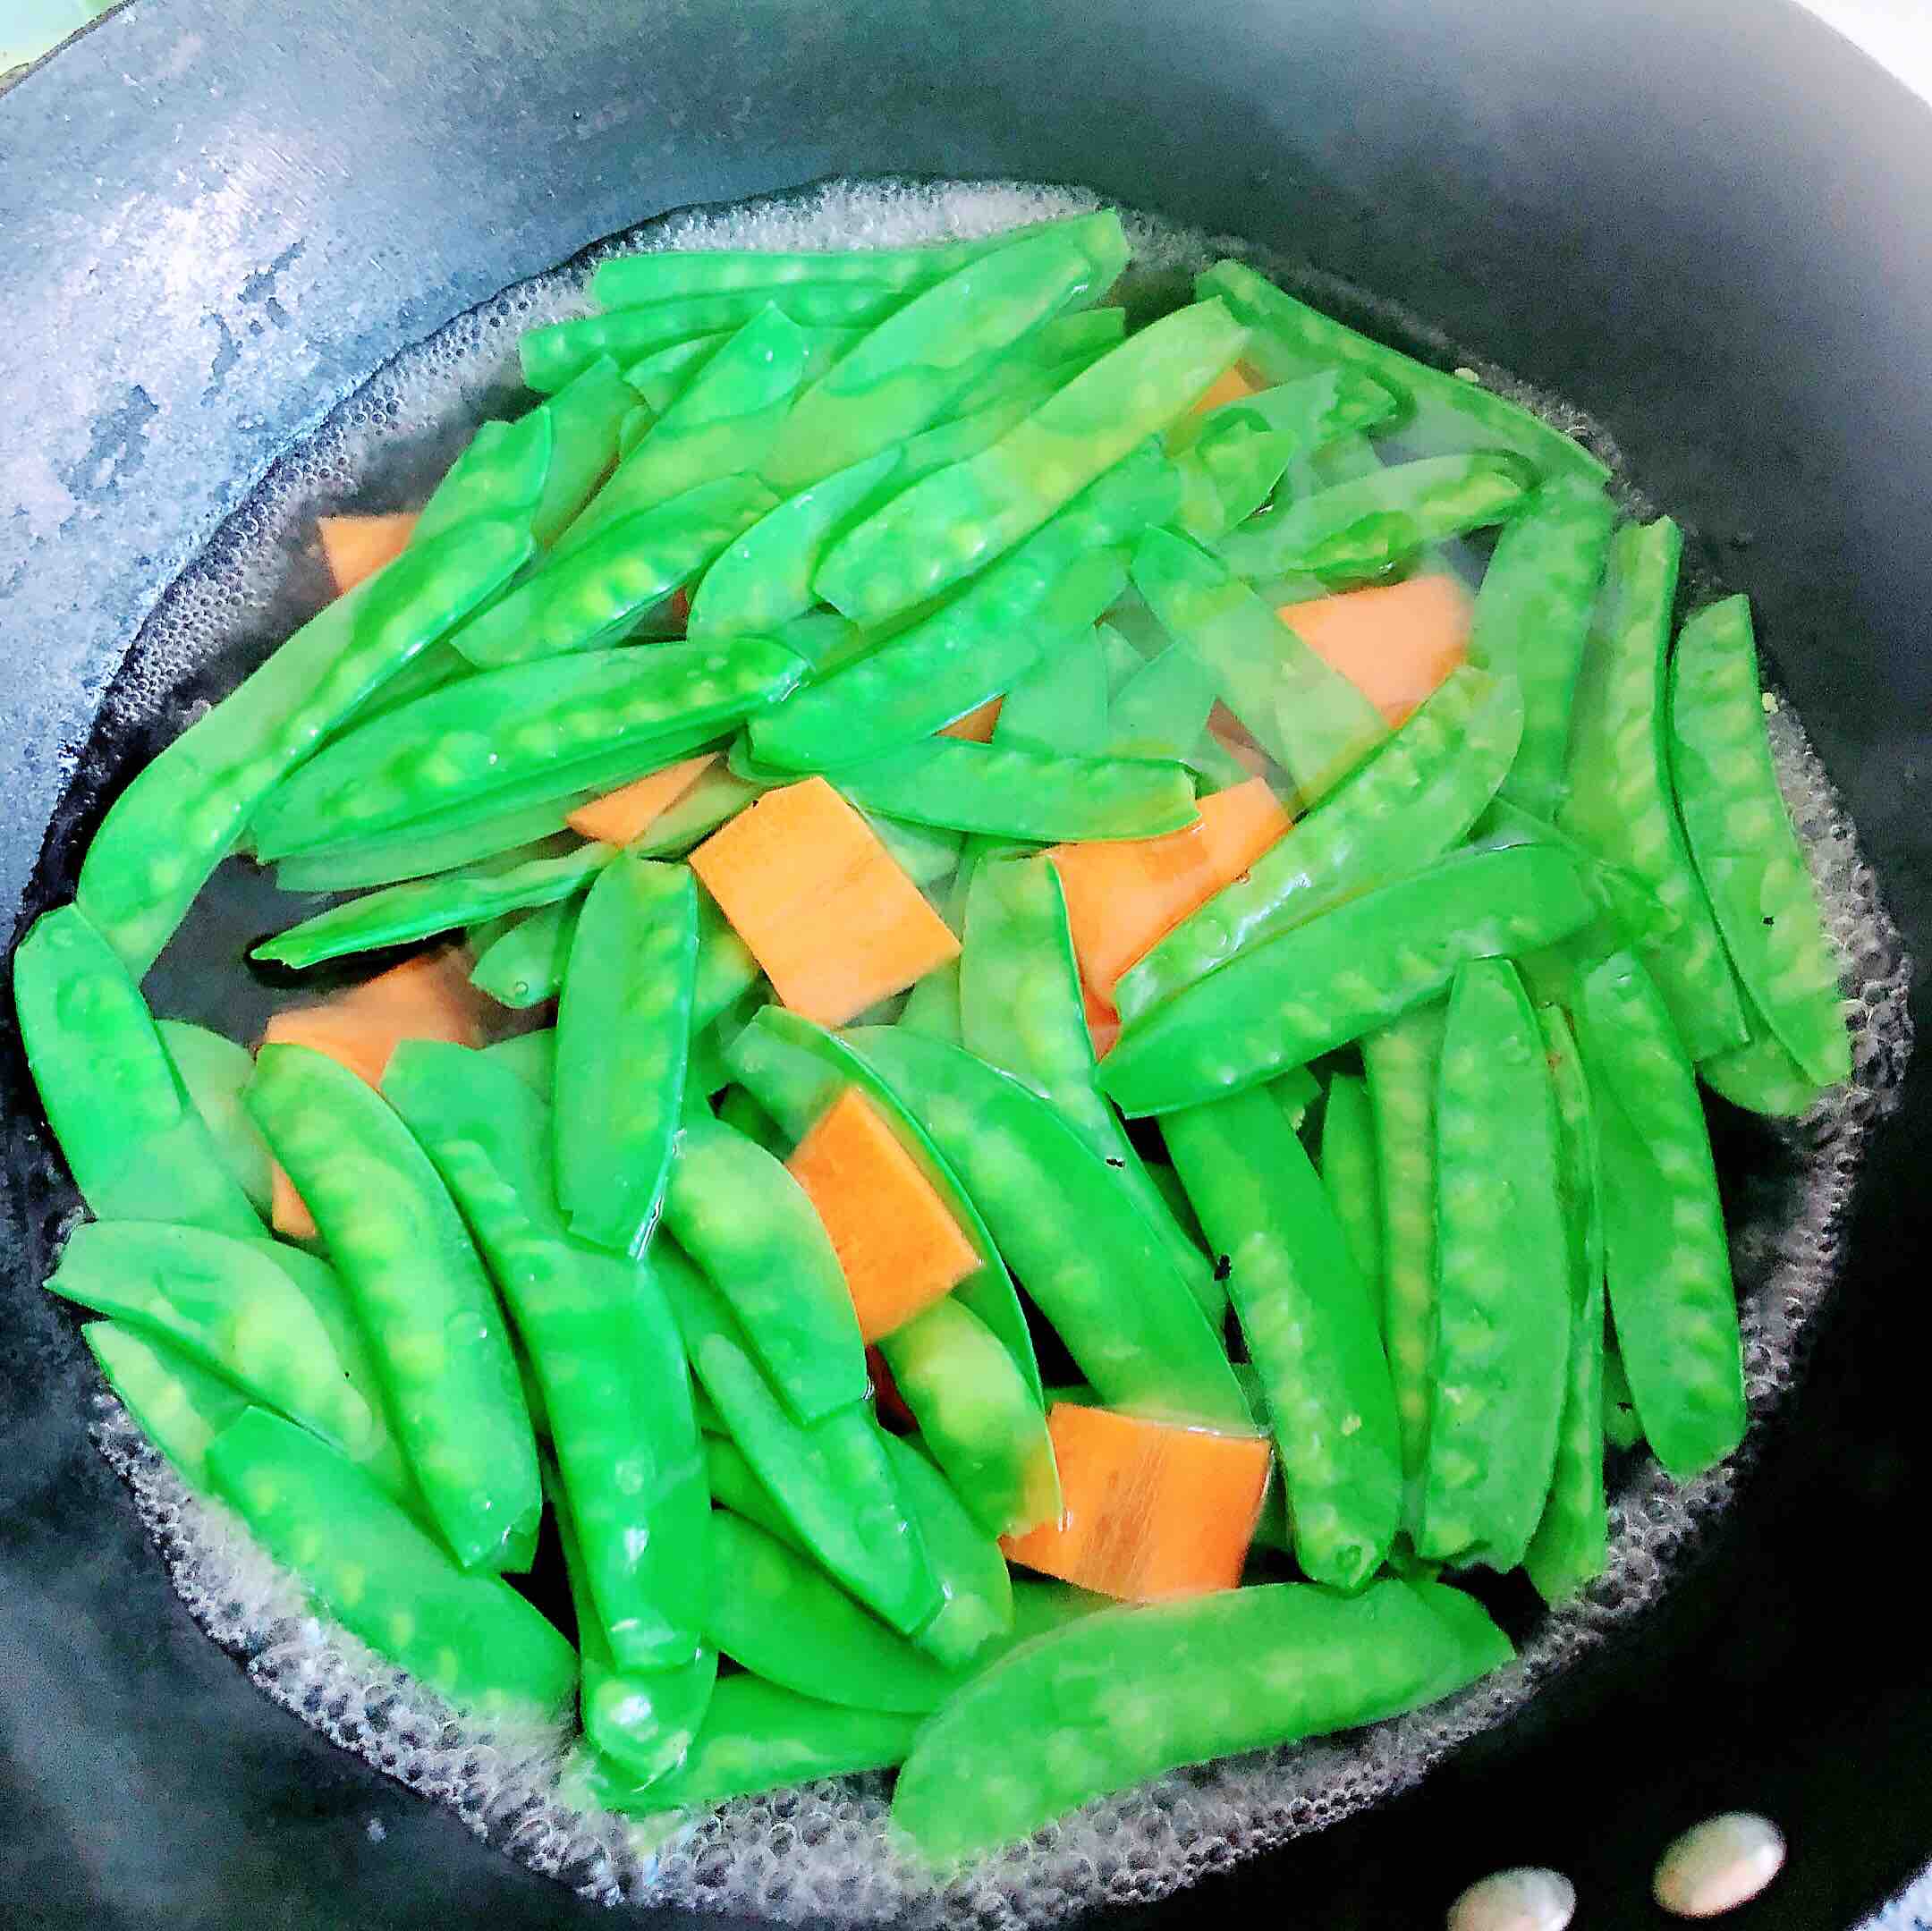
(976, 1590)
(1062, 348)
(623, 1030)
(1308, 717)
(927, 854)
(584, 415)
(1342, 975)
(602, 1343)
(1309, 1320)
(1113, 1698)
(470, 1638)
(136, 1148)
(1061, 703)
(425, 907)
(1760, 1076)
(718, 796)
(420, 1294)
(1442, 412)
(957, 521)
(734, 1487)
(591, 596)
(525, 967)
(1532, 619)
(661, 376)
(213, 1070)
(1094, 1266)
(1620, 804)
(1742, 841)
(1351, 1177)
(1504, 1306)
(751, 1227)
(1665, 1252)
(830, 1479)
(180, 1406)
(1162, 709)
(500, 474)
(530, 1056)
(184, 810)
(725, 970)
(422, 850)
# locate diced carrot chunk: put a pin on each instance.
(1103, 1022)
(831, 920)
(626, 813)
(1149, 1509)
(357, 546)
(1229, 386)
(977, 726)
(1394, 642)
(1125, 894)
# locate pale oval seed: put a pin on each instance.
(1718, 1865)
(1525, 1899)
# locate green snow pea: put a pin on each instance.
(1620, 804)
(718, 796)
(420, 1294)
(726, 971)
(213, 1070)
(1504, 1303)
(470, 1638)
(738, 1109)
(1061, 703)
(584, 416)
(1572, 1544)
(1309, 718)
(831, 1479)
(624, 1031)
(661, 376)
(975, 1589)
(593, 594)
(137, 1150)
(1443, 412)
(492, 741)
(1741, 840)
(1664, 1251)
(180, 1408)
(500, 474)
(636, 424)
(924, 354)
(525, 967)
(1063, 347)
(1351, 1175)
(1161, 710)
(184, 810)
(1760, 1076)
(1113, 1698)
(734, 1487)
(1532, 619)
(1294, 1092)
(928, 855)
(981, 641)
(751, 1227)
(422, 850)
(425, 907)
(1342, 975)
(602, 1344)
(1309, 1318)
(1095, 1266)
(1122, 657)
(530, 1056)
(959, 519)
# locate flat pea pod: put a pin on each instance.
(1012, 790)
(1760, 1076)
(1354, 968)
(1061, 703)
(661, 376)
(1572, 1544)
(1309, 1320)
(584, 416)
(716, 798)
(1666, 1255)
(1308, 717)
(979, 642)
(593, 594)
(1162, 709)
(470, 1637)
(1096, 1268)
(213, 1070)
(184, 810)
(976, 1607)
(423, 908)
(1442, 412)
(525, 966)
(530, 1056)
(1742, 841)
(1504, 1305)
(1060, 349)
(739, 1109)
(420, 1294)
(735, 1487)
(751, 1227)
(1109, 1700)
(1351, 1176)
(623, 1030)
(499, 474)
(528, 831)
(831, 1480)
(785, 1621)
(534, 725)
(1620, 804)
(136, 1150)
(725, 970)
(959, 519)
(1532, 620)
(600, 1339)
(179, 1406)
(927, 854)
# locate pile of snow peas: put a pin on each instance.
(1383, 1153)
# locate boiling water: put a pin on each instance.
(820, 1853)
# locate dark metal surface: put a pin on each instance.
(1706, 225)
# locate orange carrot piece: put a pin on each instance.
(1395, 643)
(626, 813)
(1149, 1509)
(900, 1248)
(357, 546)
(1123, 894)
(1103, 1022)
(1229, 386)
(977, 726)
(833, 921)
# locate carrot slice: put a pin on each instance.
(900, 1248)
(836, 923)
(1123, 894)
(1229, 386)
(628, 812)
(1149, 1509)
(357, 546)
(1395, 643)
(977, 726)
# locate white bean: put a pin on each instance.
(1722, 1863)
(1526, 1900)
